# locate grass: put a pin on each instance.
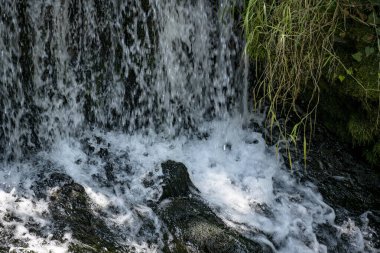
(292, 42)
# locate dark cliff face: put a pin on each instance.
(347, 184)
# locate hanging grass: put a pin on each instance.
(292, 42)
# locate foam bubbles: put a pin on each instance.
(21, 217)
(238, 175)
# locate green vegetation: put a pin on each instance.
(324, 52)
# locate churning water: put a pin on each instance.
(143, 80)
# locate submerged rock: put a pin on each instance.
(194, 226)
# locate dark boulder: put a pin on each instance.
(70, 211)
(194, 226)
(177, 182)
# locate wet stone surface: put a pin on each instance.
(70, 211)
(176, 182)
(194, 226)
(347, 184)
(189, 224)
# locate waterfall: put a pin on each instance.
(126, 65)
(245, 100)
(99, 93)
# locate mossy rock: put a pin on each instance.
(198, 229)
(177, 182)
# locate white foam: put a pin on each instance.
(236, 177)
(353, 236)
(23, 211)
(236, 172)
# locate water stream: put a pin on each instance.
(144, 81)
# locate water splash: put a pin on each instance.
(98, 86)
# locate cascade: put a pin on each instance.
(126, 65)
(96, 95)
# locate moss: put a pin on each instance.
(353, 100)
(350, 120)
(360, 59)
(361, 129)
(342, 50)
(373, 155)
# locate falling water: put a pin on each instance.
(246, 87)
(89, 85)
(125, 65)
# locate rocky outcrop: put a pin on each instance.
(194, 226)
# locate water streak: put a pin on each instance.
(157, 65)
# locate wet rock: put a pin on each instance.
(177, 182)
(70, 208)
(55, 179)
(70, 211)
(194, 226)
(347, 183)
(370, 225)
(344, 180)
